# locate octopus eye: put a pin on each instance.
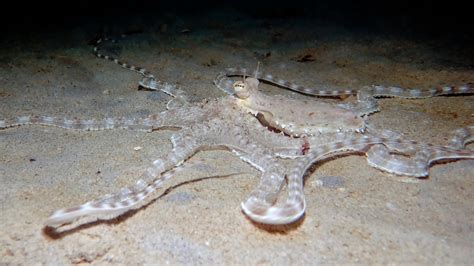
(241, 89)
(239, 86)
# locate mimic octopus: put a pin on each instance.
(279, 135)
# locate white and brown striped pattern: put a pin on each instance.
(225, 123)
(145, 73)
(143, 124)
(148, 81)
(222, 82)
(295, 205)
(366, 102)
(111, 205)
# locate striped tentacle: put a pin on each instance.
(366, 104)
(366, 96)
(415, 165)
(223, 82)
(145, 73)
(392, 91)
(295, 205)
(148, 81)
(271, 180)
(234, 135)
(412, 159)
(371, 91)
(132, 197)
(143, 124)
(461, 137)
(109, 206)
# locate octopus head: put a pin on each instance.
(243, 89)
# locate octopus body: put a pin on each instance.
(281, 136)
(313, 132)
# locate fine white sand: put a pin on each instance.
(357, 215)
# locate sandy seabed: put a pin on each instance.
(367, 217)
